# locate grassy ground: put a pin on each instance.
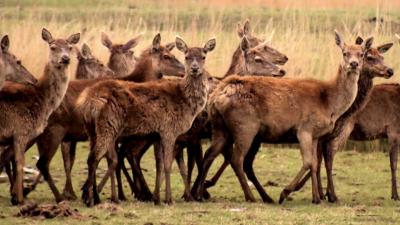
(362, 181)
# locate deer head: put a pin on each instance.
(273, 55)
(353, 55)
(12, 67)
(60, 49)
(374, 63)
(195, 57)
(257, 61)
(122, 60)
(89, 67)
(163, 60)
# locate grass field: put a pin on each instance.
(301, 29)
(362, 180)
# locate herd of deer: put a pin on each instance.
(129, 105)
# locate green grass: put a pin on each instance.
(362, 182)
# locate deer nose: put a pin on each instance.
(65, 59)
(354, 65)
(286, 58)
(390, 72)
(282, 72)
(194, 68)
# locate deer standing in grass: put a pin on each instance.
(66, 124)
(26, 109)
(258, 59)
(373, 66)
(248, 109)
(11, 68)
(166, 108)
(253, 60)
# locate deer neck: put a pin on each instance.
(237, 63)
(144, 71)
(120, 65)
(195, 90)
(52, 86)
(343, 92)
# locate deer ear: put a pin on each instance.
(157, 42)
(46, 36)
(105, 40)
(210, 45)
(239, 30)
(384, 48)
(246, 28)
(132, 43)
(368, 43)
(359, 40)
(74, 39)
(170, 46)
(181, 45)
(244, 44)
(339, 40)
(86, 52)
(5, 43)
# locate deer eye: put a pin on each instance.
(53, 48)
(370, 58)
(166, 57)
(203, 58)
(345, 54)
(258, 59)
(19, 62)
(186, 58)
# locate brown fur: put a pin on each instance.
(26, 109)
(89, 67)
(11, 68)
(167, 108)
(66, 124)
(247, 109)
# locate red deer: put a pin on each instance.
(253, 60)
(373, 66)
(118, 109)
(373, 117)
(26, 109)
(66, 124)
(89, 67)
(247, 109)
(11, 68)
(122, 59)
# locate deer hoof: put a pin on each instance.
(395, 197)
(284, 194)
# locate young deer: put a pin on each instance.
(66, 124)
(248, 109)
(166, 108)
(257, 62)
(122, 60)
(26, 109)
(373, 66)
(89, 67)
(11, 68)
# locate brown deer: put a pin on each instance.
(66, 124)
(373, 66)
(166, 108)
(26, 109)
(247, 109)
(89, 67)
(257, 62)
(11, 68)
(122, 59)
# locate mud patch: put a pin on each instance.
(48, 211)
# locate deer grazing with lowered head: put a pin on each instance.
(11, 68)
(166, 108)
(247, 110)
(26, 109)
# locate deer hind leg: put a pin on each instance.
(68, 150)
(183, 170)
(112, 161)
(394, 146)
(248, 168)
(195, 154)
(306, 145)
(219, 142)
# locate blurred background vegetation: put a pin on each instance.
(302, 29)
